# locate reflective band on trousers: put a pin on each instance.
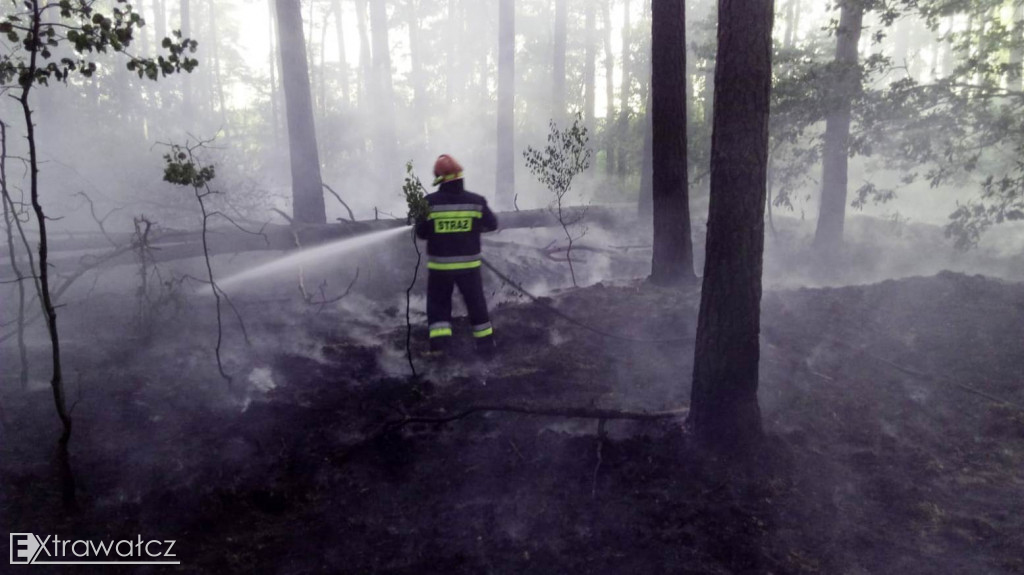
(453, 266)
(440, 329)
(483, 330)
(445, 263)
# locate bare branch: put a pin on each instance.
(351, 216)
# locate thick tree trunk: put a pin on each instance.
(339, 33)
(307, 186)
(180, 245)
(624, 89)
(609, 89)
(558, 68)
(672, 261)
(724, 411)
(505, 184)
(835, 154)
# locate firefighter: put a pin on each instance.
(452, 230)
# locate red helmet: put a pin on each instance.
(446, 169)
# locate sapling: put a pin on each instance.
(184, 168)
(565, 156)
(418, 209)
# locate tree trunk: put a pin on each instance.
(322, 67)
(416, 74)
(218, 78)
(384, 98)
(970, 43)
(901, 44)
(186, 86)
(590, 67)
(724, 411)
(339, 32)
(159, 21)
(647, 166)
(792, 22)
(142, 34)
(365, 62)
(558, 68)
(159, 33)
(609, 89)
(948, 56)
(835, 154)
(307, 186)
(272, 42)
(672, 262)
(1016, 73)
(624, 90)
(484, 61)
(48, 308)
(505, 184)
(453, 74)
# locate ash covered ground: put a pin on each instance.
(895, 440)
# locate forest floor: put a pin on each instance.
(891, 442)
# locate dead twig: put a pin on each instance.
(351, 216)
(70, 279)
(283, 215)
(100, 221)
(324, 300)
(600, 459)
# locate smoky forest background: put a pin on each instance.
(756, 287)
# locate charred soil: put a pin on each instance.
(895, 442)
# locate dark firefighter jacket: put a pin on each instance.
(453, 228)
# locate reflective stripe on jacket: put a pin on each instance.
(453, 227)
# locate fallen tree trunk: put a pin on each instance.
(176, 245)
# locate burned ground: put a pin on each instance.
(883, 453)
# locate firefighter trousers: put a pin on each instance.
(440, 286)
